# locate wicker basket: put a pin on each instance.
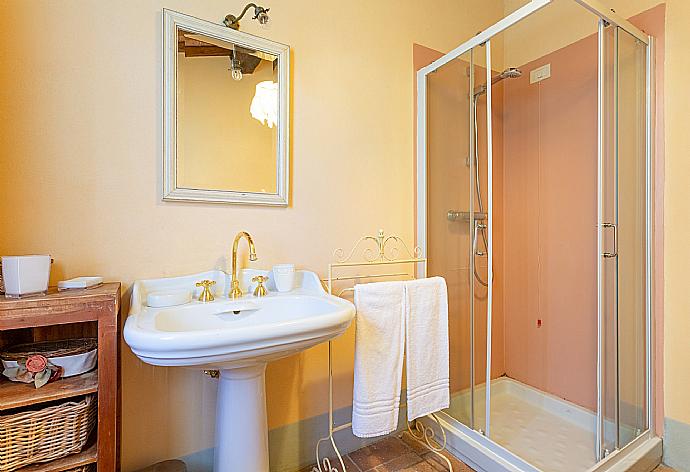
(84, 468)
(47, 434)
(75, 356)
(64, 348)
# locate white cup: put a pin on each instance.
(284, 277)
(25, 275)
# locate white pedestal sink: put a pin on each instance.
(238, 338)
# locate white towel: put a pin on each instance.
(428, 386)
(379, 349)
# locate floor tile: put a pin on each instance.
(441, 465)
(379, 453)
(418, 467)
(417, 447)
(349, 465)
(405, 462)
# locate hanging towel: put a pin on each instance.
(379, 349)
(428, 386)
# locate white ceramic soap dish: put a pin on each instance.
(79, 283)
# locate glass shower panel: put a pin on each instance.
(544, 306)
(479, 187)
(450, 142)
(624, 240)
(631, 148)
(608, 256)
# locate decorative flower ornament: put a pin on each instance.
(36, 363)
(35, 369)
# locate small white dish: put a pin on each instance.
(284, 277)
(79, 282)
(164, 299)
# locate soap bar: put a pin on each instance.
(79, 282)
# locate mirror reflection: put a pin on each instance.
(227, 116)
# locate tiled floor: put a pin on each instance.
(402, 454)
(397, 454)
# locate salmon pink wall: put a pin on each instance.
(550, 149)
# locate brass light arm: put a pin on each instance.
(260, 13)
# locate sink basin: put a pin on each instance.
(237, 337)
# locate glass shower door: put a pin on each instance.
(624, 240)
(450, 145)
(632, 270)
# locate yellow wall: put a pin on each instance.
(677, 209)
(80, 107)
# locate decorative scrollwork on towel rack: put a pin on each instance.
(385, 251)
(424, 435)
(382, 243)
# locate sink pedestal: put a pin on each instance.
(241, 427)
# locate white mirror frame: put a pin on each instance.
(171, 192)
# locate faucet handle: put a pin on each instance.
(260, 290)
(206, 295)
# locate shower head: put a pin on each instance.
(509, 73)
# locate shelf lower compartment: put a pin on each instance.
(18, 395)
(87, 456)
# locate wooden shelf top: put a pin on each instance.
(16, 395)
(87, 456)
(104, 292)
(68, 306)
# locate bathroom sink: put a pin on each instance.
(237, 337)
(228, 333)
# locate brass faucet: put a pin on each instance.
(235, 291)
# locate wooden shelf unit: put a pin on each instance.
(17, 395)
(60, 315)
(87, 456)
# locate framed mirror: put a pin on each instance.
(225, 114)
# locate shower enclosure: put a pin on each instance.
(535, 203)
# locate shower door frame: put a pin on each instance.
(477, 449)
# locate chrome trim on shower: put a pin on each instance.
(610, 16)
(616, 315)
(599, 446)
(490, 224)
(473, 111)
(649, 232)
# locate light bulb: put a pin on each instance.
(236, 69)
(264, 20)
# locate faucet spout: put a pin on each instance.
(235, 291)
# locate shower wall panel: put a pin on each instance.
(550, 166)
(549, 144)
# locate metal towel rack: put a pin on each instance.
(380, 250)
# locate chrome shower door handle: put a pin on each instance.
(475, 242)
(615, 240)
